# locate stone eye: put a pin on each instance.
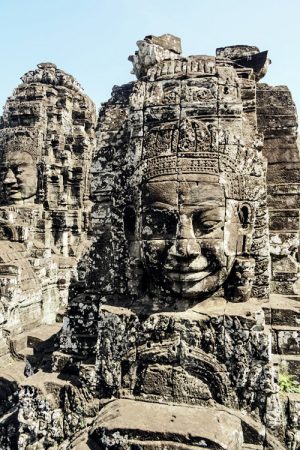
(159, 224)
(202, 225)
(207, 224)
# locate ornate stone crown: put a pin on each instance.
(19, 140)
(192, 147)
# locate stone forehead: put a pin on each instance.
(188, 190)
(18, 157)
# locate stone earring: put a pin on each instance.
(239, 284)
(40, 197)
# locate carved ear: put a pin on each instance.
(246, 219)
(40, 195)
(129, 219)
(245, 216)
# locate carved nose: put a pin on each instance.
(9, 178)
(185, 248)
(186, 245)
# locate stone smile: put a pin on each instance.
(13, 193)
(188, 276)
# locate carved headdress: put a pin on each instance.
(18, 141)
(192, 147)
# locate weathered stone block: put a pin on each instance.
(284, 220)
(287, 340)
(285, 311)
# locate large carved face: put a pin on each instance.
(189, 235)
(20, 177)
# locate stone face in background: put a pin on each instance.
(46, 144)
(182, 322)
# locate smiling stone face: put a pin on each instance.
(189, 240)
(19, 177)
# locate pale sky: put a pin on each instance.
(91, 39)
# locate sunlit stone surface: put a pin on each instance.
(172, 239)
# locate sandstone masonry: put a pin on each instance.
(149, 267)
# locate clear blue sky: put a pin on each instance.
(91, 39)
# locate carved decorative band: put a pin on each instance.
(169, 165)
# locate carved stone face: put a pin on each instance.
(189, 235)
(20, 177)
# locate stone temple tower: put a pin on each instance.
(182, 326)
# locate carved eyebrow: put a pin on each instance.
(211, 205)
(22, 163)
(10, 165)
(160, 205)
(207, 205)
(214, 217)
